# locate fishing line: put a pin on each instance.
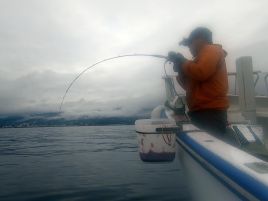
(173, 84)
(104, 60)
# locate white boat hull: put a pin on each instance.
(202, 184)
(215, 170)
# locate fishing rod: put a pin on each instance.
(104, 60)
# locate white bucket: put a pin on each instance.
(157, 139)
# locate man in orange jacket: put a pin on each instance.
(205, 81)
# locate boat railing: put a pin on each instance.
(256, 80)
(257, 76)
(266, 82)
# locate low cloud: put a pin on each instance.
(45, 44)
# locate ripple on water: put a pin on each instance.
(82, 163)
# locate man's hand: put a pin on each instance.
(177, 58)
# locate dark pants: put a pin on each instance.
(212, 121)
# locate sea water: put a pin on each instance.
(83, 163)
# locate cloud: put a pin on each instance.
(92, 96)
(44, 44)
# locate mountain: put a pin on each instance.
(55, 119)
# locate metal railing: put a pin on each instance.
(234, 74)
(266, 82)
(256, 79)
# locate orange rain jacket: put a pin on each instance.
(205, 80)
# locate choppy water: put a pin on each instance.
(82, 163)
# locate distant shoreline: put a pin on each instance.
(60, 126)
(44, 121)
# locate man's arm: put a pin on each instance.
(205, 65)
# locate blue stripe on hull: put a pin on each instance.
(206, 167)
(250, 184)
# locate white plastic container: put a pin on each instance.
(157, 139)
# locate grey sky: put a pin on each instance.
(44, 44)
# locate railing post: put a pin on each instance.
(246, 88)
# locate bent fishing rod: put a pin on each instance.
(104, 60)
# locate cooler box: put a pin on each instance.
(157, 139)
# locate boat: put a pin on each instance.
(216, 170)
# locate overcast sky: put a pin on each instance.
(45, 44)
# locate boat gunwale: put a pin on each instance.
(248, 188)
